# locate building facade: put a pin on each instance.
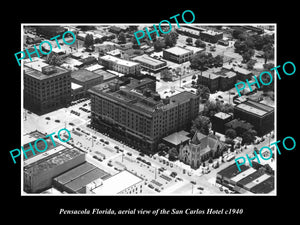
(120, 65)
(211, 36)
(136, 114)
(177, 54)
(46, 88)
(152, 64)
(261, 116)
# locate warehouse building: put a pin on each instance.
(76, 179)
(121, 183)
(246, 181)
(40, 170)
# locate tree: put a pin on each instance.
(268, 50)
(247, 55)
(122, 37)
(230, 133)
(171, 39)
(202, 124)
(88, 41)
(251, 63)
(189, 41)
(54, 60)
(201, 61)
(210, 160)
(203, 92)
(173, 154)
(236, 32)
(166, 75)
(248, 136)
(218, 61)
(98, 40)
(200, 43)
(159, 45)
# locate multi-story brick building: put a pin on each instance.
(261, 116)
(137, 115)
(211, 36)
(46, 88)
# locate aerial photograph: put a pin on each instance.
(138, 109)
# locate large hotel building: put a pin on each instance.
(136, 114)
(46, 88)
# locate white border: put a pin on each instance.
(147, 24)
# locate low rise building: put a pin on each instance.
(40, 170)
(152, 64)
(211, 36)
(121, 183)
(86, 79)
(177, 54)
(120, 65)
(219, 120)
(246, 181)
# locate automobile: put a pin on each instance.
(226, 191)
(178, 178)
(183, 81)
(138, 158)
(106, 142)
(142, 154)
(173, 174)
(57, 121)
(72, 124)
(150, 186)
(148, 163)
(109, 164)
(101, 140)
(129, 153)
(116, 147)
(219, 96)
(121, 150)
(193, 182)
(156, 189)
(47, 118)
(221, 189)
(200, 188)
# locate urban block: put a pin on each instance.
(269, 74)
(35, 145)
(159, 26)
(238, 163)
(40, 47)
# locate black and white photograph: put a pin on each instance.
(185, 110)
(141, 112)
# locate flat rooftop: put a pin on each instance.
(211, 32)
(148, 60)
(222, 115)
(255, 107)
(106, 75)
(177, 51)
(34, 69)
(232, 170)
(119, 61)
(84, 75)
(176, 138)
(117, 183)
(48, 162)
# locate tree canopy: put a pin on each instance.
(202, 124)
